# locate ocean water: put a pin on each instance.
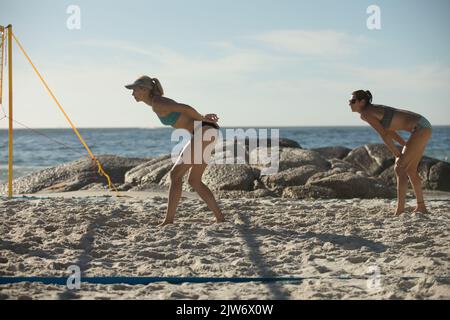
(38, 149)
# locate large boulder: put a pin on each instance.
(439, 176)
(288, 158)
(230, 177)
(388, 176)
(349, 185)
(149, 172)
(290, 177)
(223, 177)
(75, 175)
(282, 143)
(240, 149)
(333, 152)
(338, 166)
(373, 158)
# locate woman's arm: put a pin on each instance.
(394, 135)
(374, 123)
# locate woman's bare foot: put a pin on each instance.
(165, 223)
(420, 208)
(220, 220)
(399, 211)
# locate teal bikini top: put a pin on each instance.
(170, 119)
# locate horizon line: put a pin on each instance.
(222, 127)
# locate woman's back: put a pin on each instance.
(394, 119)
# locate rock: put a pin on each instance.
(388, 176)
(288, 143)
(349, 185)
(343, 166)
(75, 175)
(309, 170)
(289, 158)
(149, 172)
(333, 152)
(257, 184)
(290, 177)
(373, 158)
(308, 192)
(424, 168)
(230, 149)
(241, 148)
(223, 177)
(230, 177)
(439, 177)
(282, 143)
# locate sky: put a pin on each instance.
(252, 62)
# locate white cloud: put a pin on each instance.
(245, 86)
(417, 78)
(325, 44)
(222, 44)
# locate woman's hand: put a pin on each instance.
(211, 117)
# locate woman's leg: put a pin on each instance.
(411, 152)
(416, 183)
(177, 172)
(175, 190)
(195, 178)
(402, 187)
(415, 179)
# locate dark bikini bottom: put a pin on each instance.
(206, 123)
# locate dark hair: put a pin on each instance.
(363, 95)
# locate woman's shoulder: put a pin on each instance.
(371, 112)
(160, 103)
(381, 106)
(163, 100)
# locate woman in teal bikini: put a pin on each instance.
(386, 121)
(180, 116)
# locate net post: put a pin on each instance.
(10, 115)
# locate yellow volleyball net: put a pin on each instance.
(6, 37)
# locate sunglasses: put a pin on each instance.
(352, 101)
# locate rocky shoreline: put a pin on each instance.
(365, 172)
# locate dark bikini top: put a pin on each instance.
(387, 117)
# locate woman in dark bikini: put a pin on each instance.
(180, 116)
(386, 121)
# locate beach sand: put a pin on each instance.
(331, 243)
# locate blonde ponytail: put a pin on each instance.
(157, 88)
